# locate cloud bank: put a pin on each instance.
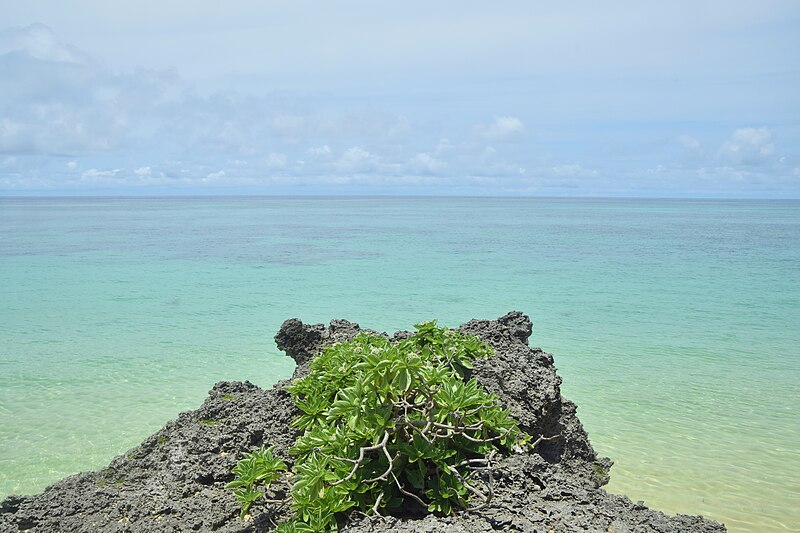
(72, 124)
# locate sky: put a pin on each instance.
(524, 98)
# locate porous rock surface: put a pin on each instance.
(175, 480)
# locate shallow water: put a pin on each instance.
(675, 324)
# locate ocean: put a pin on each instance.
(675, 324)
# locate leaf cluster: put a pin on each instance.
(393, 426)
(256, 468)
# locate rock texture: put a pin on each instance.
(175, 480)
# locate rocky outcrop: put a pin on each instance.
(175, 480)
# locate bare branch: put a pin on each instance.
(377, 503)
(385, 475)
(469, 487)
(404, 491)
(483, 462)
(360, 460)
(542, 438)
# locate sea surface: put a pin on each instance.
(674, 323)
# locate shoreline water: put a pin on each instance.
(672, 321)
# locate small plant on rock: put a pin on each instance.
(257, 467)
(391, 427)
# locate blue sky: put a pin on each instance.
(678, 99)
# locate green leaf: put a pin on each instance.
(403, 380)
(416, 476)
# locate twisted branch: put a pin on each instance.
(360, 460)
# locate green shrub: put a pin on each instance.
(259, 466)
(389, 425)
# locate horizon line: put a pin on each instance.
(386, 196)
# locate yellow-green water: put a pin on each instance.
(675, 324)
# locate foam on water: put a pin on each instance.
(675, 324)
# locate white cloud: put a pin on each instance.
(38, 41)
(504, 129)
(748, 146)
(58, 101)
(572, 170)
(689, 142)
(357, 160)
(426, 164)
(444, 146)
(62, 112)
(211, 176)
(94, 175)
(320, 152)
(276, 160)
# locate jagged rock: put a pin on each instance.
(302, 342)
(175, 480)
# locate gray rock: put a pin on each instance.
(175, 479)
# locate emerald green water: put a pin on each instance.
(675, 324)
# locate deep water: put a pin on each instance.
(674, 323)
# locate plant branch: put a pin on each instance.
(407, 493)
(358, 462)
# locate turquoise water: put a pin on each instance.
(675, 324)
